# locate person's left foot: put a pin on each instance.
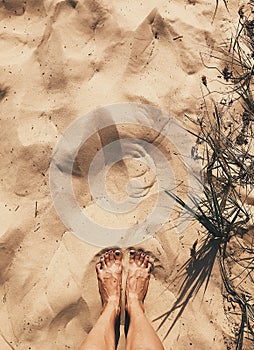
(109, 274)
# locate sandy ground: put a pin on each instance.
(58, 61)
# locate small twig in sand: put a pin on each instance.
(36, 209)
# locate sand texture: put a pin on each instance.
(59, 60)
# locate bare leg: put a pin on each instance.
(109, 273)
(141, 335)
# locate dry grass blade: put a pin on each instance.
(216, 7)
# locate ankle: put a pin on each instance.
(112, 307)
(134, 305)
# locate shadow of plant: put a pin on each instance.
(195, 273)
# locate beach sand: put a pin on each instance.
(59, 60)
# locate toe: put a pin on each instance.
(111, 256)
(146, 261)
(137, 257)
(102, 262)
(106, 258)
(142, 258)
(118, 255)
(132, 256)
(98, 267)
(149, 267)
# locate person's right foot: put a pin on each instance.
(109, 274)
(138, 277)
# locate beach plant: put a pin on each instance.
(225, 143)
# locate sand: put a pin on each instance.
(59, 60)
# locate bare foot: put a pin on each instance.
(109, 274)
(137, 282)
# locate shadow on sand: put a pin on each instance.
(195, 273)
